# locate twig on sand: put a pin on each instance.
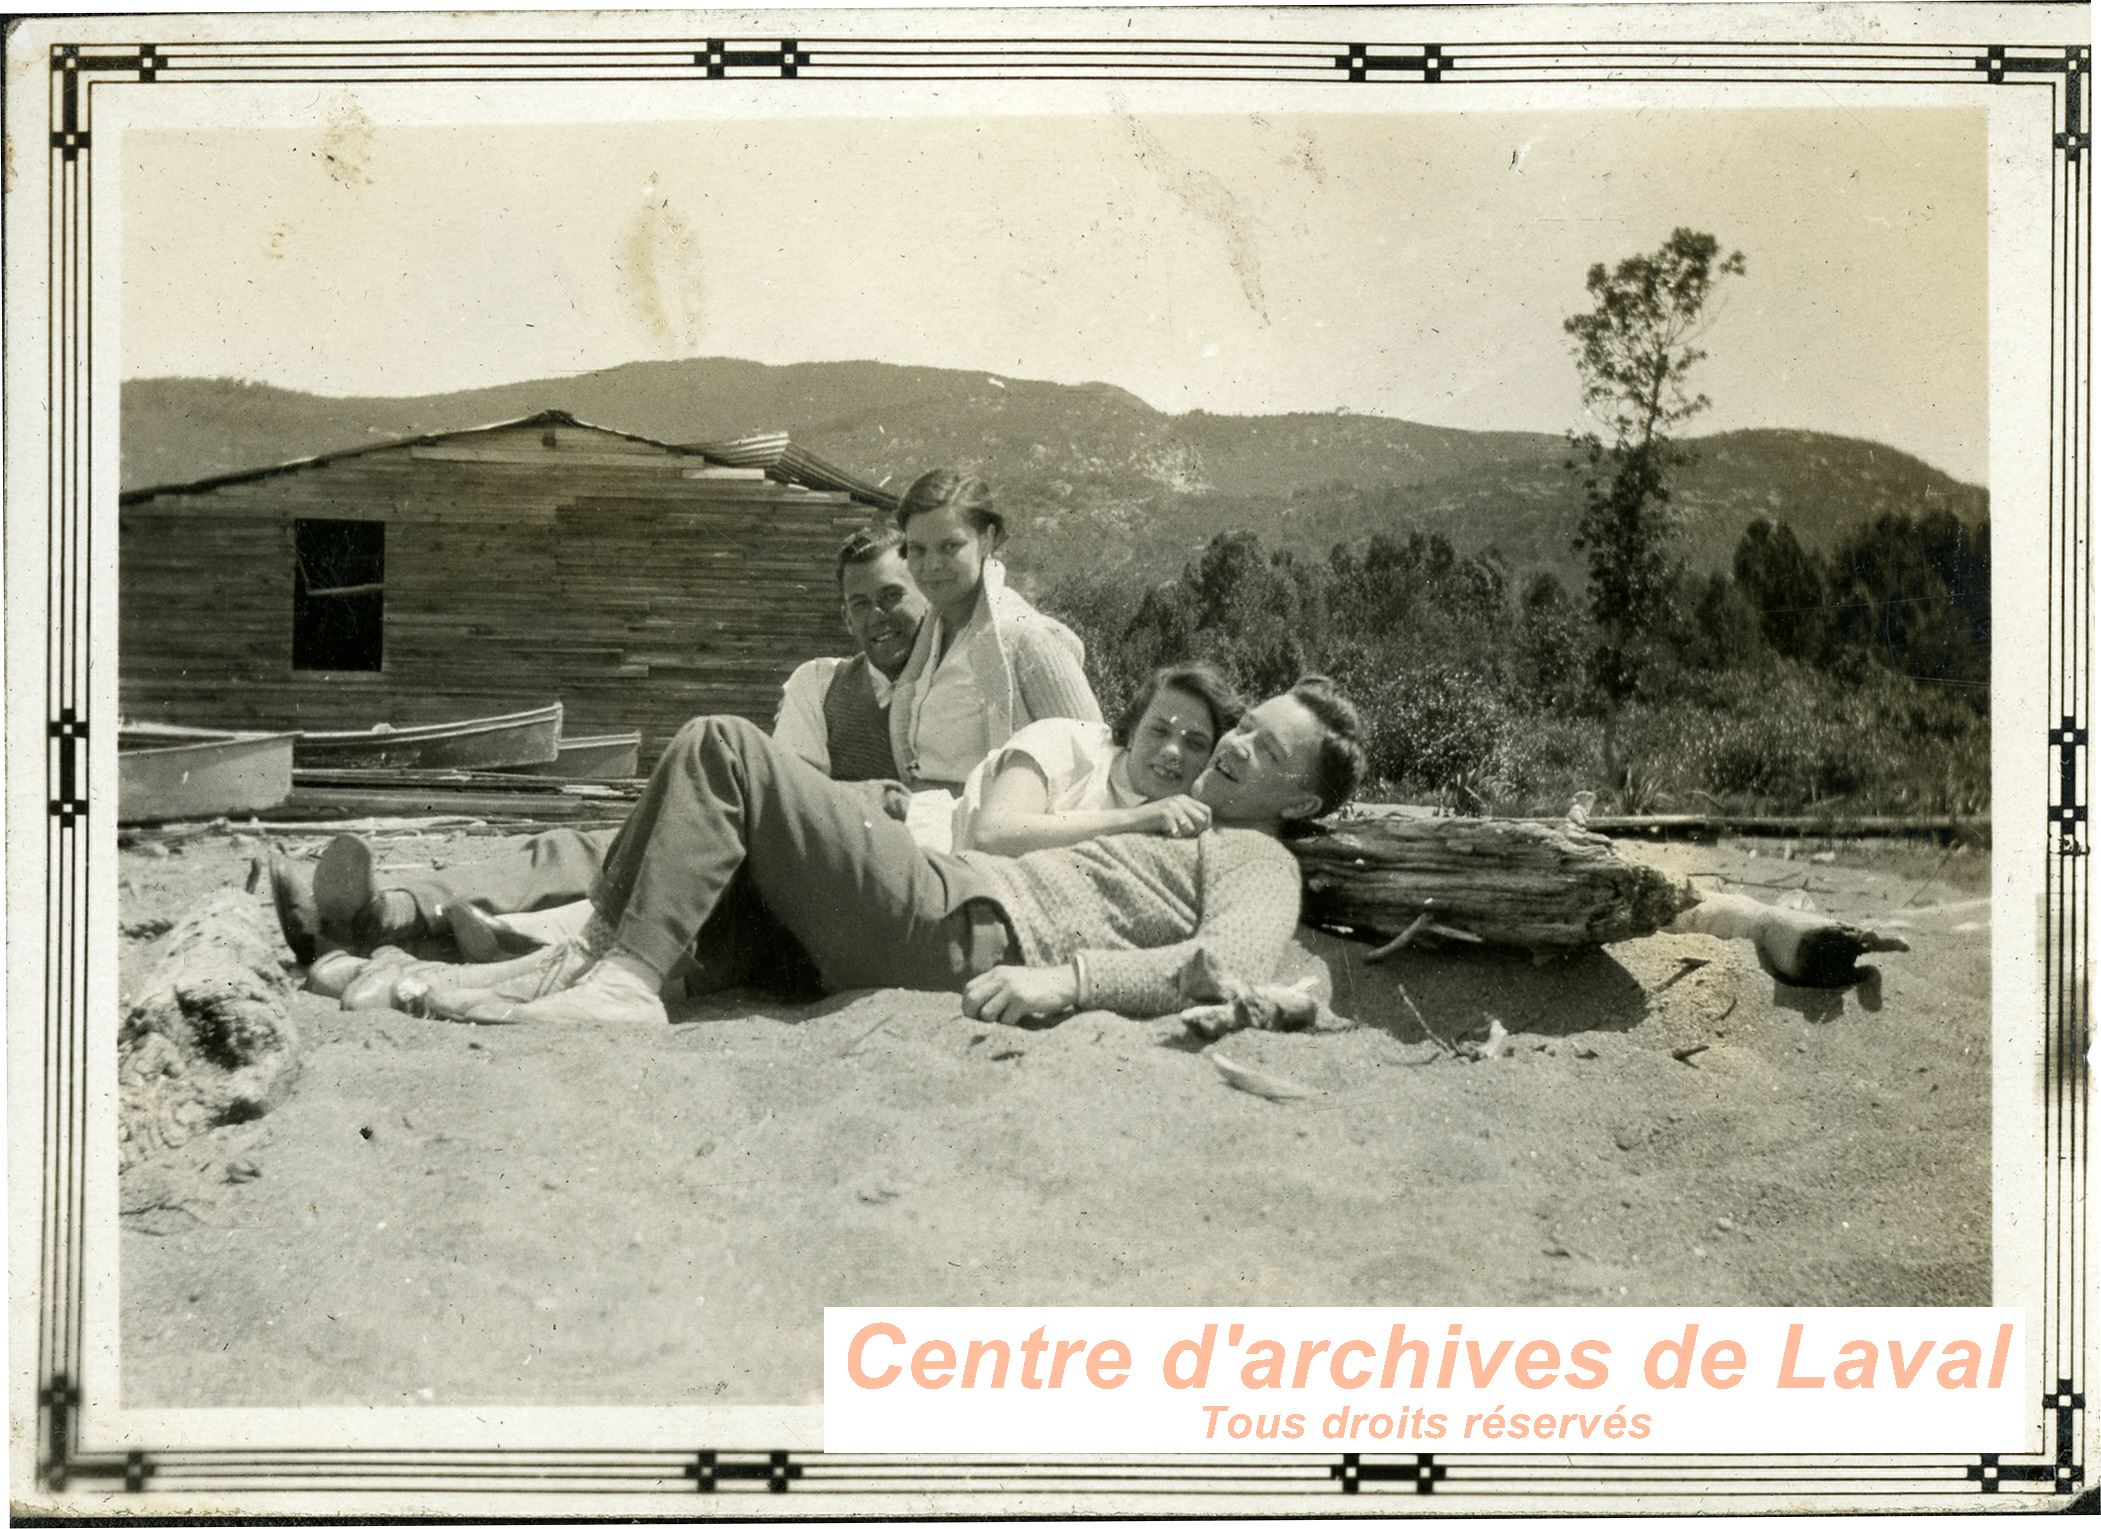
(1417, 1015)
(1687, 965)
(865, 1036)
(198, 1211)
(1686, 1054)
(1264, 1085)
(1931, 877)
(1402, 940)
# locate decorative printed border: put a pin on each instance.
(649, 1481)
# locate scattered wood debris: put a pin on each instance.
(1221, 1003)
(1486, 1048)
(1264, 1085)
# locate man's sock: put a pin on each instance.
(394, 914)
(621, 967)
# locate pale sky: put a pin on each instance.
(1410, 265)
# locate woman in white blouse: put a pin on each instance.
(986, 663)
(1059, 781)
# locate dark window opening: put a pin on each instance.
(338, 594)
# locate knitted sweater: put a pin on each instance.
(1129, 910)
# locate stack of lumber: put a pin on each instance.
(320, 795)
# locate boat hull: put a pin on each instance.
(168, 773)
(614, 756)
(479, 743)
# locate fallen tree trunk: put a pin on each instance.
(207, 1040)
(1541, 886)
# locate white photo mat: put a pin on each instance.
(78, 85)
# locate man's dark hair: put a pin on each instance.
(1202, 680)
(865, 546)
(1341, 764)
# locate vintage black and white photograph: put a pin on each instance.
(776, 694)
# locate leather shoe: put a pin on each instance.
(373, 985)
(293, 896)
(331, 973)
(353, 911)
(342, 884)
(484, 937)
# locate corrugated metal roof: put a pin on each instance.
(784, 461)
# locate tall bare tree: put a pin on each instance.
(1635, 350)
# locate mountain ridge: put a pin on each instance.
(1090, 471)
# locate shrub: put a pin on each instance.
(1786, 738)
(1474, 691)
(1444, 730)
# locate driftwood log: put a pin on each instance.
(1541, 886)
(206, 1040)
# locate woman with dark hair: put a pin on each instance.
(987, 663)
(1059, 782)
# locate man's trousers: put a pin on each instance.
(727, 814)
(556, 867)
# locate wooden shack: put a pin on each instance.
(485, 571)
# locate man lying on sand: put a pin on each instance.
(1108, 924)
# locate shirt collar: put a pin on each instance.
(880, 683)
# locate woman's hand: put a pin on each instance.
(1007, 995)
(1174, 817)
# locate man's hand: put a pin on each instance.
(1175, 817)
(888, 797)
(1007, 995)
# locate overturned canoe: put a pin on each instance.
(476, 743)
(609, 756)
(165, 773)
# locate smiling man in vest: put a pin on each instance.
(834, 716)
(835, 712)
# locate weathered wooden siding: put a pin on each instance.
(635, 584)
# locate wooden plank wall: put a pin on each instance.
(593, 570)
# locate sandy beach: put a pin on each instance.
(446, 1214)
